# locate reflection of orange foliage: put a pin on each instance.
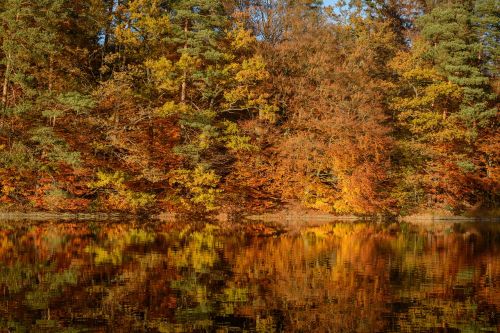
(335, 277)
(339, 276)
(345, 274)
(6, 245)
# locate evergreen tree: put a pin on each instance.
(361, 107)
(456, 52)
(208, 84)
(486, 24)
(29, 44)
(444, 109)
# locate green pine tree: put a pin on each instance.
(29, 44)
(456, 52)
(486, 23)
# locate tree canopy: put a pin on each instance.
(364, 107)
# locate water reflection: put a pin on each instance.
(175, 277)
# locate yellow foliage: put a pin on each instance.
(252, 70)
(127, 36)
(119, 196)
(199, 186)
(319, 197)
(171, 108)
(234, 140)
(148, 17)
(204, 140)
(128, 199)
(163, 72)
(443, 90)
(422, 74)
(187, 62)
(7, 190)
(268, 112)
(108, 180)
(247, 76)
(430, 107)
(242, 39)
(235, 95)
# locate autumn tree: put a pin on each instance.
(446, 105)
(331, 146)
(365, 107)
(208, 84)
(39, 79)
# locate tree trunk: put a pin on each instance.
(5, 87)
(5, 90)
(183, 88)
(51, 74)
(184, 76)
(107, 32)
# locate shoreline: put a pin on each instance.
(447, 218)
(62, 216)
(288, 217)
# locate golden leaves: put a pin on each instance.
(197, 186)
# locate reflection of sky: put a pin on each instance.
(329, 2)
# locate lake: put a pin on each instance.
(147, 276)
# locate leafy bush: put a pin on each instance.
(197, 187)
(118, 196)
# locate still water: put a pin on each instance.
(178, 277)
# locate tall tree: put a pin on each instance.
(446, 106)
(29, 44)
(330, 148)
(456, 52)
(486, 24)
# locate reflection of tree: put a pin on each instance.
(336, 277)
(117, 241)
(33, 274)
(326, 278)
(454, 286)
(364, 278)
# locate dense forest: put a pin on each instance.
(364, 107)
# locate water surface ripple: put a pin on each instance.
(194, 277)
